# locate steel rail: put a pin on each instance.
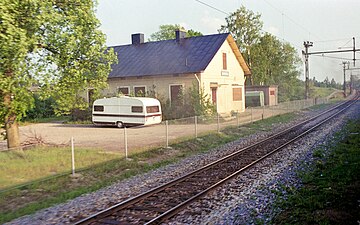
(173, 211)
(139, 197)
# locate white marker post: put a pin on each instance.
(167, 133)
(125, 143)
(72, 156)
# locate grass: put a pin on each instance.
(331, 192)
(28, 199)
(23, 166)
(321, 92)
(44, 120)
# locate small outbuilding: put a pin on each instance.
(254, 98)
(270, 93)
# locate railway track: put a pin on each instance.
(165, 201)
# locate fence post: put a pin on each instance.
(218, 123)
(251, 114)
(237, 119)
(125, 143)
(196, 132)
(167, 133)
(72, 156)
(263, 114)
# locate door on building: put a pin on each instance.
(175, 92)
(213, 95)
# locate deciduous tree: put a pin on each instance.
(271, 61)
(55, 45)
(167, 32)
(245, 26)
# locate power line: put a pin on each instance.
(333, 40)
(292, 20)
(332, 57)
(222, 11)
(212, 7)
(343, 46)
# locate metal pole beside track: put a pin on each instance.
(125, 143)
(167, 133)
(196, 131)
(72, 156)
(237, 119)
(251, 114)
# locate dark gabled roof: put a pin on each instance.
(190, 55)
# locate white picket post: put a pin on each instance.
(125, 143)
(72, 156)
(167, 133)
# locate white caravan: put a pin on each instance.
(124, 111)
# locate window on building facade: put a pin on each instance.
(175, 91)
(139, 91)
(272, 92)
(224, 61)
(123, 90)
(237, 94)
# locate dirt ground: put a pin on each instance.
(113, 139)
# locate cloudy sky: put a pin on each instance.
(329, 24)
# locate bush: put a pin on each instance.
(190, 102)
(43, 108)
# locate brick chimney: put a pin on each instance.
(180, 34)
(137, 39)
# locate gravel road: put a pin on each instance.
(242, 201)
(112, 138)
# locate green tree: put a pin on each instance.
(326, 82)
(245, 26)
(167, 32)
(275, 62)
(333, 83)
(54, 44)
(271, 61)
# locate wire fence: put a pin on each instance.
(128, 141)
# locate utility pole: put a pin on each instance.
(344, 66)
(307, 44)
(354, 59)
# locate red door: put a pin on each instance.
(213, 95)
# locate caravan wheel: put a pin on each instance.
(119, 124)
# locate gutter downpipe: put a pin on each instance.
(198, 80)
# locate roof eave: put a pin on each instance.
(238, 55)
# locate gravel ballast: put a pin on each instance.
(245, 200)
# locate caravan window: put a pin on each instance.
(137, 109)
(152, 109)
(98, 108)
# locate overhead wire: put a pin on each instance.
(289, 18)
(332, 57)
(280, 38)
(222, 11)
(204, 3)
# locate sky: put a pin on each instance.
(329, 24)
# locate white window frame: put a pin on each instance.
(139, 86)
(128, 87)
(170, 85)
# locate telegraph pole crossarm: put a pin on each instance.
(333, 51)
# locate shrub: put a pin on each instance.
(43, 108)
